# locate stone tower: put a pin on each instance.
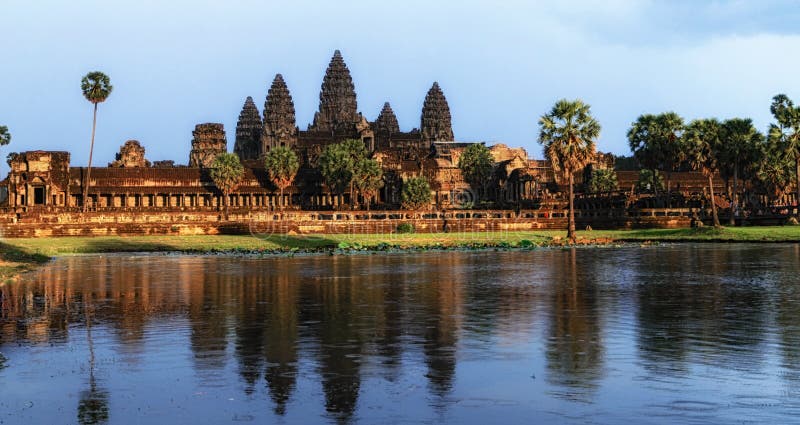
(280, 127)
(248, 132)
(436, 122)
(386, 123)
(131, 155)
(337, 99)
(208, 142)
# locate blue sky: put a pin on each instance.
(501, 64)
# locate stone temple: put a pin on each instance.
(43, 179)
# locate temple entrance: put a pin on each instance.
(38, 195)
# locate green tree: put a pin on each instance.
(603, 180)
(702, 151)
(650, 180)
(416, 193)
(282, 166)
(96, 88)
(656, 143)
(568, 133)
(227, 173)
(337, 163)
(476, 165)
(774, 172)
(740, 149)
(5, 136)
(786, 133)
(368, 178)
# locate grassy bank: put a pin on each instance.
(217, 243)
(19, 255)
(15, 260)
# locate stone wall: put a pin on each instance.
(45, 224)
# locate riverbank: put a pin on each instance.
(20, 255)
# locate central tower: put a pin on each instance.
(338, 110)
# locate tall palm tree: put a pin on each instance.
(741, 146)
(568, 133)
(96, 88)
(787, 132)
(227, 173)
(702, 151)
(282, 165)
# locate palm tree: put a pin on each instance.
(227, 172)
(368, 177)
(702, 151)
(5, 136)
(282, 165)
(568, 133)
(96, 88)
(741, 145)
(787, 132)
(656, 143)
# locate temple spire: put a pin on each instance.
(338, 109)
(387, 121)
(280, 126)
(436, 122)
(248, 132)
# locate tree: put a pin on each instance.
(5, 136)
(650, 180)
(416, 193)
(282, 165)
(476, 165)
(337, 164)
(656, 143)
(568, 133)
(774, 171)
(740, 148)
(603, 180)
(96, 88)
(702, 151)
(368, 177)
(227, 173)
(786, 133)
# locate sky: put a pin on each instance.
(501, 64)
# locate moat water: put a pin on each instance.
(661, 334)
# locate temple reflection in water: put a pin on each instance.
(344, 328)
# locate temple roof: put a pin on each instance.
(337, 98)
(436, 122)
(387, 120)
(248, 131)
(279, 106)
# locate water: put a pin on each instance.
(663, 334)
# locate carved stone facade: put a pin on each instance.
(248, 132)
(436, 122)
(338, 110)
(131, 155)
(38, 178)
(280, 124)
(208, 142)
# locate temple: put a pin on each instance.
(44, 180)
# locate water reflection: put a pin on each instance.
(574, 346)
(351, 339)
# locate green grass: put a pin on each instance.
(19, 255)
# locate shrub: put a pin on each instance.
(405, 228)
